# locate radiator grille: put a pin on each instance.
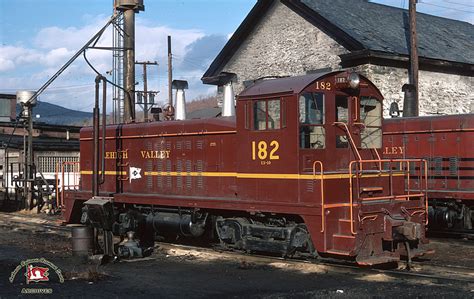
(199, 179)
(453, 166)
(189, 178)
(179, 177)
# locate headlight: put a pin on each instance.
(354, 80)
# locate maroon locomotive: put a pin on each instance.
(447, 143)
(296, 170)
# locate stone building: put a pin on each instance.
(294, 37)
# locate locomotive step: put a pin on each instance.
(343, 236)
(341, 242)
(338, 252)
(344, 226)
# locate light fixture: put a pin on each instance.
(354, 80)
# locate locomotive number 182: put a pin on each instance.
(262, 150)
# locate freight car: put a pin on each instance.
(447, 143)
(295, 170)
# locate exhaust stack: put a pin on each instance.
(228, 107)
(180, 86)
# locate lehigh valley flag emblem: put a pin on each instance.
(135, 173)
(36, 274)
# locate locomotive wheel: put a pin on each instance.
(300, 240)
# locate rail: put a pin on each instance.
(422, 183)
(323, 208)
(67, 169)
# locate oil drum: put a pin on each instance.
(82, 240)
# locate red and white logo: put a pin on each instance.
(36, 274)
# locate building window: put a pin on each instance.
(311, 117)
(267, 114)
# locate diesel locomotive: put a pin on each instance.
(296, 170)
(446, 143)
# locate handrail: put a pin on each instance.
(57, 184)
(348, 134)
(356, 110)
(63, 186)
(378, 157)
(391, 196)
(323, 208)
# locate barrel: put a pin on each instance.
(82, 240)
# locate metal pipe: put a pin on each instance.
(104, 125)
(95, 150)
(129, 65)
(170, 73)
(29, 158)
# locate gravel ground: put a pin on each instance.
(181, 272)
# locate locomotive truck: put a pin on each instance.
(296, 170)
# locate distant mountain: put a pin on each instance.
(57, 115)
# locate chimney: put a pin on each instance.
(180, 86)
(410, 104)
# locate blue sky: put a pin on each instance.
(38, 36)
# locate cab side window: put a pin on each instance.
(371, 117)
(311, 118)
(267, 114)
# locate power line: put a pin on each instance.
(457, 3)
(451, 8)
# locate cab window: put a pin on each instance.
(267, 114)
(312, 119)
(371, 117)
(342, 115)
(342, 110)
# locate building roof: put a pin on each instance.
(40, 143)
(209, 112)
(369, 28)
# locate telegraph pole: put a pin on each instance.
(145, 87)
(413, 58)
(170, 73)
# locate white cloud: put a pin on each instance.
(6, 65)
(31, 67)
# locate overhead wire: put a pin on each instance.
(441, 6)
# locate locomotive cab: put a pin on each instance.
(316, 139)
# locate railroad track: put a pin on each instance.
(419, 270)
(466, 234)
(435, 271)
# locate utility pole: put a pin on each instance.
(170, 73)
(413, 102)
(145, 87)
